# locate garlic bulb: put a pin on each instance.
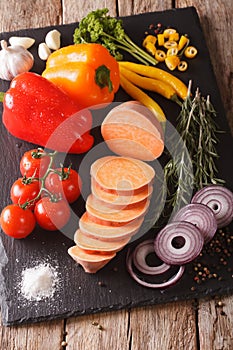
(14, 60)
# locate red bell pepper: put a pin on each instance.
(37, 111)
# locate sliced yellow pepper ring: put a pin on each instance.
(150, 47)
(170, 44)
(168, 32)
(172, 62)
(160, 39)
(149, 39)
(160, 55)
(173, 37)
(182, 66)
(173, 51)
(182, 42)
(190, 52)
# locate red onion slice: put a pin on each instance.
(201, 216)
(139, 259)
(162, 285)
(220, 200)
(178, 243)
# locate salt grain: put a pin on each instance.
(39, 282)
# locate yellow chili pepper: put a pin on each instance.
(170, 44)
(150, 84)
(157, 73)
(149, 39)
(172, 62)
(182, 66)
(150, 47)
(139, 95)
(160, 39)
(160, 55)
(190, 52)
(182, 42)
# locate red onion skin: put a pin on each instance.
(178, 256)
(201, 216)
(139, 260)
(163, 285)
(213, 196)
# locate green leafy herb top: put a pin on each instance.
(99, 27)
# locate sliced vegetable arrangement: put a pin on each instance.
(41, 196)
(51, 110)
(182, 240)
(167, 45)
(107, 226)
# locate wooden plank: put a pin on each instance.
(46, 335)
(215, 321)
(100, 331)
(29, 14)
(16, 15)
(170, 326)
(75, 10)
(127, 8)
(216, 21)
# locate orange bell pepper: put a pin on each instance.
(86, 72)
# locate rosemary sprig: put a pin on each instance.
(197, 129)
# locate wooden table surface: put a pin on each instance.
(195, 325)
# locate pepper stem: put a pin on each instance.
(102, 77)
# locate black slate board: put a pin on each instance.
(80, 293)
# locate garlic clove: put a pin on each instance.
(53, 39)
(26, 42)
(43, 51)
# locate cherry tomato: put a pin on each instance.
(34, 163)
(24, 190)
(65, 182)
(16, 221)
(52, 215)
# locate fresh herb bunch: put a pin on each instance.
(193, 164)
(98, 27)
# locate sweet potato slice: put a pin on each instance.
(113, 213)
(87, 243)
(134, 113)
(91, 262)
(116, 198)
(106, 233)
(131, 130)
(131, 141)
(129, 174)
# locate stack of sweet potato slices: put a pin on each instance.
(121, 188)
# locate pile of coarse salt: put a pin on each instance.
(39, 282)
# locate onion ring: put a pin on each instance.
(220, 200)
(178, 243)
(139, 259)
(201, 216)
(162, 285)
